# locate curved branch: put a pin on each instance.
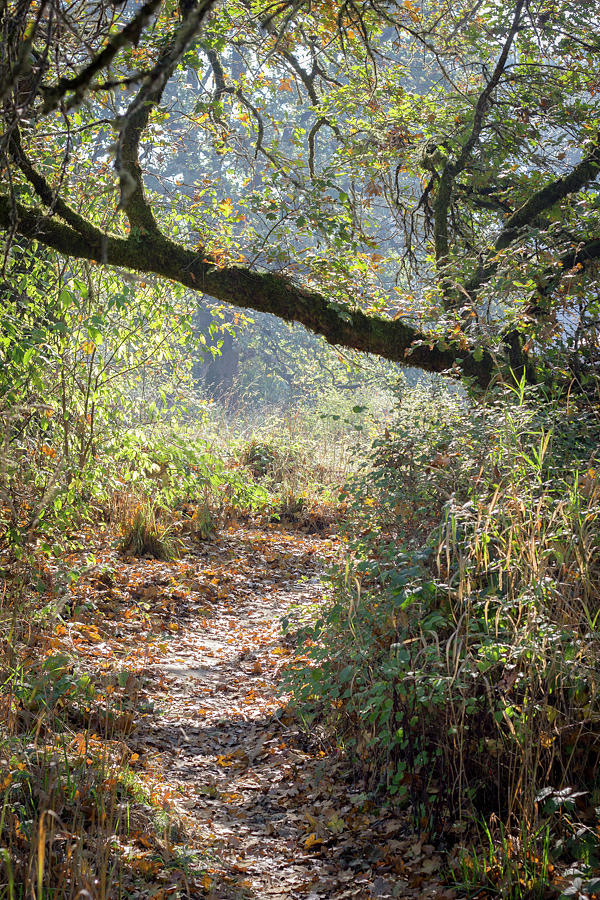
(527, 214)
(218, 73)
(392, 339)
(260, 128)
(454, 167)
(587, 170)
(48, 197)
(483, 102)
(133, 123)
(79, 84)
(223, 88)
(312, 135)
(308, 80)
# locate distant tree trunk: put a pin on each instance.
(217, 373)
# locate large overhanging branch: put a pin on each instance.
(148, 251)
(152, 253)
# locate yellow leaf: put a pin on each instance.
(224, 761)
(311, 840)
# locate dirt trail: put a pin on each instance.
(279, 814)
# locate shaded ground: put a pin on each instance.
(192, 653)
(280, 813)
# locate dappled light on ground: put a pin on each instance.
(219, 790)
(280, 812)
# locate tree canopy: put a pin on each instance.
(413, 180)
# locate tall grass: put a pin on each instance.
(71, 808)
(458, 657)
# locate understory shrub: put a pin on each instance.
(459, 651)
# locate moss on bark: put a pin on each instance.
(145, 253)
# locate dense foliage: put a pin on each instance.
(416, 181)
(457, 656)
(408, 180)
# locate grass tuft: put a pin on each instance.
(146, 535)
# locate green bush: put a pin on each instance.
(457, 656)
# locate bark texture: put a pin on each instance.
(152, 253)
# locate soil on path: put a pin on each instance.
(270, 810)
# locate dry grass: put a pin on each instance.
(458, 658)
(78, 816)
(147, 531)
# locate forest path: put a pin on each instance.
(280, 815)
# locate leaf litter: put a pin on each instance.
(262, 808)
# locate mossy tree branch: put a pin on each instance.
(152, 253)
(584, 173)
